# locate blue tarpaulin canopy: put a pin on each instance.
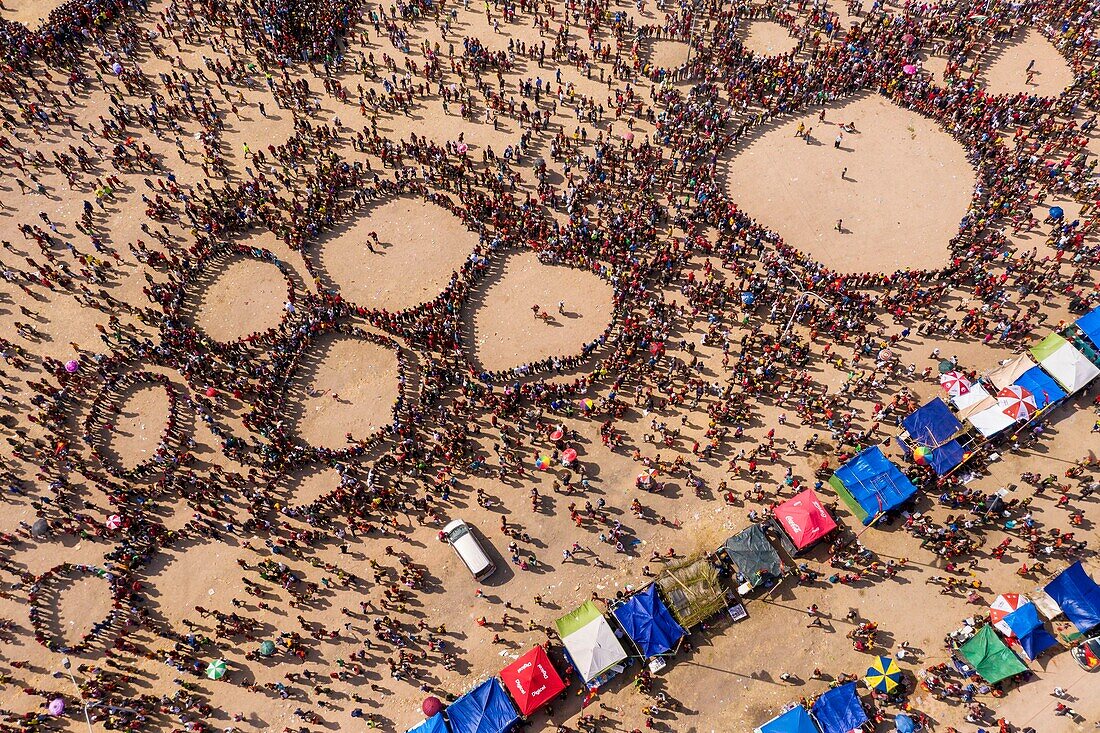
(871, 485)
(484, 709)
(1090, 324)
(932, 427)
(839, 710)
(795, 720)
(1042, 385)
(646, 620)
(1026, 626)
(1077, 595)
(932, 424)
(434, 724)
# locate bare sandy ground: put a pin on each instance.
(140, 424)
(350, 386)
(1004, 68)
(506, 332)
(767, 38)
(668, 54)
(906, 184)
(81, 602)
(1006, 73)
(246, 297)
(30, 13)
(420, 245)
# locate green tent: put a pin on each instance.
(989, 656)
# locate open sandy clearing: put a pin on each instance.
(906, 184)
(82, 602)
(506, 331)
(766, 38)
(203, 573)
(667, 54)
(31, 13)
(349, 386)
(139, 425)
(1006, 71)
(414, 236)
(305, 488)
(246, 297)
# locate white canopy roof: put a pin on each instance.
(1069, 367)
(594, 648)
(991, 421)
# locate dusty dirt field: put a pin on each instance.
(890, 221)
(507, 333)
(767, 38)
(1006, 72)
(419, 246)
(246, 297)
(30, 13)
(246, 536)
(350, 386)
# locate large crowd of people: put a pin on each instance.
(628, 187)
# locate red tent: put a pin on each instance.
(804, 519)
(532, 680)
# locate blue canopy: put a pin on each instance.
(871, 485)
(484, 709)
(795, 720)
(932, 426)
(646, 620)
(839, 710)
(1090, 324)
(1042, 385)
(904, 724)
(1077, 595)
(434, 724)
(1026, 626)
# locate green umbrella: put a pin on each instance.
(267, 648)
(216, 669)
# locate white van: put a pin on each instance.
(469, 549)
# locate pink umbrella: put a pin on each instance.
(908, 38)
(432, 705)
(1017, 402)
(114, 521)
(72, 365)
(954, 383)
(568, 456)
(462, 148)
(909, 69)
(56, 707)
(557, 434)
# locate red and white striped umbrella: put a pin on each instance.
(1017, 402)
(954, 383)
(1004, 604)
(114, 521)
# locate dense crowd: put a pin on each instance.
(641, 208)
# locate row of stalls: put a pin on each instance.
(796, 525)
(647, 625)
(1020, 620)
(1016, 619)
(497, 704)
(837, 710)
(1014, 393)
